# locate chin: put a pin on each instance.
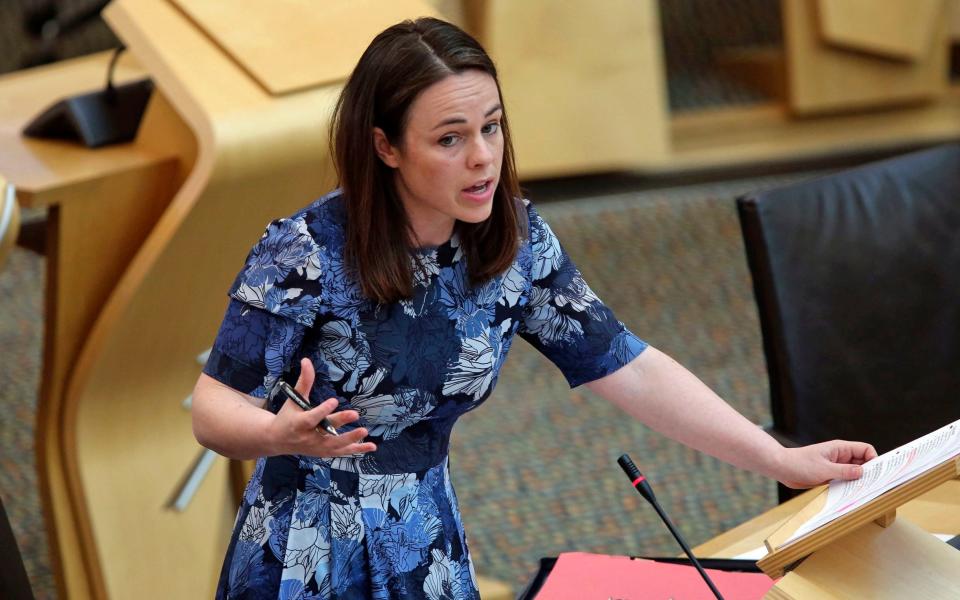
(477, 215)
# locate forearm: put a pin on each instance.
(229, 422)
(664, 395)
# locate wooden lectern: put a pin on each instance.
(866, 553)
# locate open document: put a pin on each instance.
(884, 473)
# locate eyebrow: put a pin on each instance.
(458, 120)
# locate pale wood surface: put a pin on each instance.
(928, 512)
(903, 29)
(953, 19)
(781, 556)
(822, 78)
(584, 88)
(491, 589)
(937, 511)
(43, 171)
(886, 519)
(117, 191)
(82, 272)
(728, 137)
(900, 561)
(293, 45)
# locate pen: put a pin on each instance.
(300, 401)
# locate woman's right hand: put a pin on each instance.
(294, 431)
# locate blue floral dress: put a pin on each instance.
(385, 524)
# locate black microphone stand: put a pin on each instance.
(640, 484)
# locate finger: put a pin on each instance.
(345, 439)
(843, 451)
(343, 417)
(347, 450)
(361, 448)
(305, 381)
(353, 442)
(859, 451)
(321, 411)
(356, 436)
(848, 472)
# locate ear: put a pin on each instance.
(389, 154)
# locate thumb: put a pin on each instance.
(847, 472)
(305, 381)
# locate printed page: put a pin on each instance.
(884, 473)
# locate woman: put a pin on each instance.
(392, 303)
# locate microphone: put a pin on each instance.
(639, 483)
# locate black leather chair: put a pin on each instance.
(857, 281)
(14, 584)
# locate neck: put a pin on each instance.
(432, 235)
(428, 227)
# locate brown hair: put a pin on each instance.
(396, 67)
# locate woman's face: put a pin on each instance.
(447, 165)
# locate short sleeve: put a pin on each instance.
(282, 273)
(274, 300)
(565, 320)
(253, 349)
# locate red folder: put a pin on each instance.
(583, 576)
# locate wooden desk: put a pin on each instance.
(937, 511)
(100, 205)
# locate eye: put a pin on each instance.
(491, 127)
(448, 140)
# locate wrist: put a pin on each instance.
(270, 438)
(778, 461)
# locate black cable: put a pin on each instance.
(111, 91)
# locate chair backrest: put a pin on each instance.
(857, 281)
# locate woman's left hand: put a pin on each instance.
(809, 466)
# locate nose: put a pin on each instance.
(481, 153)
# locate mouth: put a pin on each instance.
(479, 188)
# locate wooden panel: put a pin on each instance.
(582, 83)
(780, 556)
(953, 19)
(117, 192)
(900, 561)
(291, 45)
(736, 137)
(928, 511)
(903, 29)
(128, 437)
(825, 79)
(937, 511)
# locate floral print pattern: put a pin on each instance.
(385, 524)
